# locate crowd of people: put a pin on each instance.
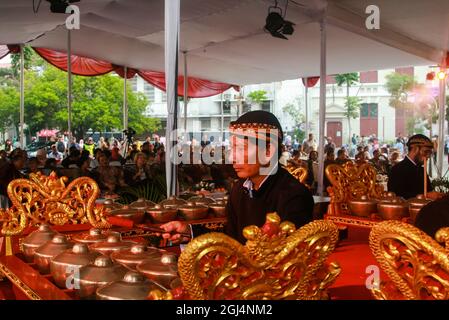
(383, 157)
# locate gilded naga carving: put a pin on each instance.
(277, 262)
(48, 199)
(418, 267)
(351, 181)
(300, 173)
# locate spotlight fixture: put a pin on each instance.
(275, 23)
(59, 6)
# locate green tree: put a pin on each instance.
(294, 111)
(31, 60)
(97, 103)
(257, 97)
(352, 104)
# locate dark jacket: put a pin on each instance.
(434, 216)
(280, 193)
(407, 179)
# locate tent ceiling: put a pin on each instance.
(225, 40)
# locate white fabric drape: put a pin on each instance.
(172, 23)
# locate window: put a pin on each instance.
(226, 107)
(266, 106)
(148, 91)
(205, 124)
(369, 110)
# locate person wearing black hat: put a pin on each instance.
(406, 179)
(263, 185)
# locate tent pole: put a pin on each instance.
(22, 96)
(322, 117)
(125, 99)
(306, 102)
(441, 120)
(172, 25)
(222, 117)
(186, 94)
(69, 84)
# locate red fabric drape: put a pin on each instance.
(311, 81)
(196, 88)
(80, 65)
(130, 72)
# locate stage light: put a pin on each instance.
(275, 23)
(441, 75)
(59, 6)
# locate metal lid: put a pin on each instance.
(93, 236)
(363, 200)
(136, 254)
(192, 206)
(218, 204)
(56, 245)
(102, 271)
(158, 208)
(112, 243)
(202, 199)
(134, 286)
(142, 204)
(79, 255)
(419, 201)
(172, 202)
(40, 236)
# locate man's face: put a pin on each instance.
(244, 158)
(421, 153)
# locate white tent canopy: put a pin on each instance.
(225, 40)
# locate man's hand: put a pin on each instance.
(175, 226)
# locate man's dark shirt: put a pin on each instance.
(434, 216)
(407, 179)
(280, 193)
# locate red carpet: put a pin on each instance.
(354, 256)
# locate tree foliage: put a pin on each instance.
(294, 111)
(97, 103)
(258, 96)
(348, 79)
(352, 104)
(399, 87)
(352, 107)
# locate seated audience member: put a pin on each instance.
(360, 158)
(434, 216)
(311, 162)
(55, 154)
(41, 156)
(116, 158)
(330, 159)
(32, 166)
(380, 162)
(109, 178)
(84, 165)
(295, 159)
(140, 171)
(10, 170)
(342, 157)
(94, 160)
(72, 160)
(50, 165)
(394, 160)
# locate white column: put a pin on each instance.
(306, 103)
(322, 117)
(125, 100)
(22, 98)
(69, 84)
(441, 120)
(172, 24)
(186, 93)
